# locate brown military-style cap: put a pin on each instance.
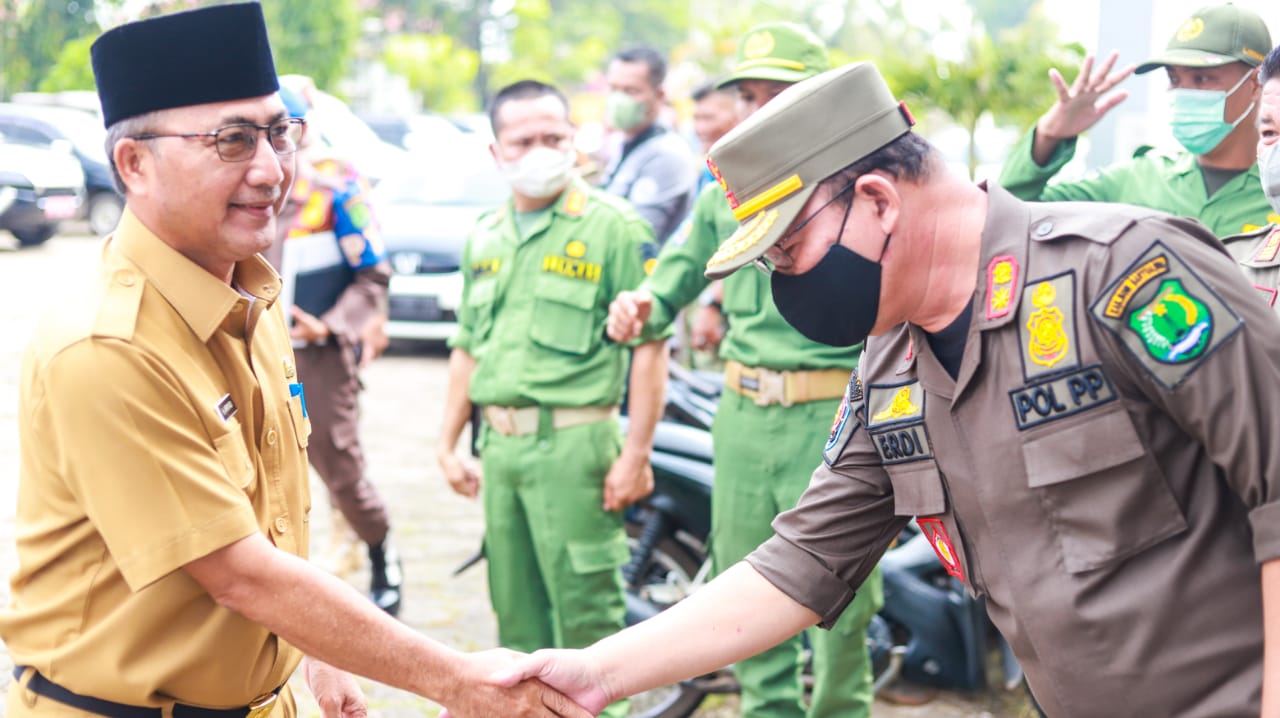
(770, 164)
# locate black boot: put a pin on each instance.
(385, 577)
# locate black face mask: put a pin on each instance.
(836, 302)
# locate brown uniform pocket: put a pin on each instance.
(1104, 498)
(301, 423)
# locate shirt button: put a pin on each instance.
(271, 437)
(1043, 229)
(281, 525)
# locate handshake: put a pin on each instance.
(547, 683)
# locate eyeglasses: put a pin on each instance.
(239, 142)
(776, 256)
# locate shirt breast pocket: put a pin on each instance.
(1104, 498)
(298, 413)
(564, 314)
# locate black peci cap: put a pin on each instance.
(214, 54)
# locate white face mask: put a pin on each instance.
(541, 173)
(1269, 168)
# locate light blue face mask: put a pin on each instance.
(1198, 122)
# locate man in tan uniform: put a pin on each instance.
(162, 502)
(1078, 403)
(1259, 252)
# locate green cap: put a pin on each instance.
(782, 51)
(770, 164)
(1214, 36)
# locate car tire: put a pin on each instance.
(105, 209)
(35, 235)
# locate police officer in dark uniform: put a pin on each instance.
(1077, 401)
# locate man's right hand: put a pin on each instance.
(569, 671)
(627, 314)
(463, 474)
(478, 696)
(1079, 106)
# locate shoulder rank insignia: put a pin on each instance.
(575, 203)
(1165, 315)
(1269, 249)
(1002, 274)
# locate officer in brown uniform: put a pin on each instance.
(337, 275)
(162, 501)
(1077, 402)
(1259, 252)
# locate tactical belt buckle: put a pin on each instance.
(771, 388)
(261, 706)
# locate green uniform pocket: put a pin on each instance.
(564, 316)
(595, 556)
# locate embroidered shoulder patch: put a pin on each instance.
(841, 429)
(1165, 315)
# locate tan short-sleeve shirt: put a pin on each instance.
(160, 420)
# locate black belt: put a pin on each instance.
(47, 688)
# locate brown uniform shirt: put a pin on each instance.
(1259, 256)
(1102, 470)
(156, 425)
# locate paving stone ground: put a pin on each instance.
(434, 529)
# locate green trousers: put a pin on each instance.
(764, 457)
(554, 554)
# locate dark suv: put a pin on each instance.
(39, 188)
(45, 126)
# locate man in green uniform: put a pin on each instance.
(778, 384)
(531, 351)
(1258, 252)
(1211, 63)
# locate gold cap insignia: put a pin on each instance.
(760, 44)
(1190, 29)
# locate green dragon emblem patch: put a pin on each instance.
(1175, 327)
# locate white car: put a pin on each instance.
(426, 210)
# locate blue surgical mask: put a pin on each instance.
(1198, 122)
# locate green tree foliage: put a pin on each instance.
(1006, 76)
(437, 66)
(313, 37)
(73, 69)
(32, 36)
